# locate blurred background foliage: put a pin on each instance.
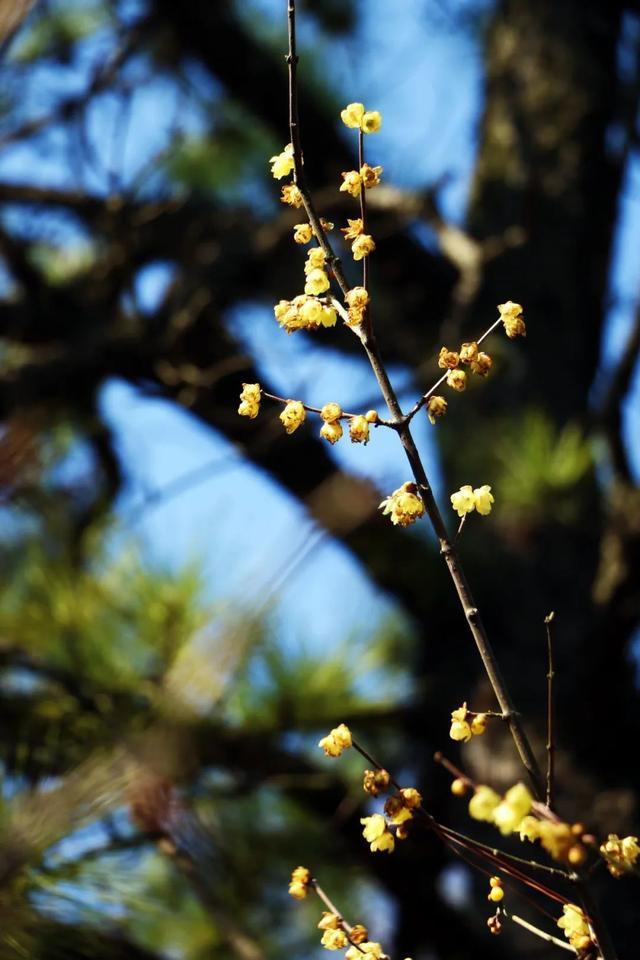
(165, 672)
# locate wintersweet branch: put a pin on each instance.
(412, 500)
(447, 547)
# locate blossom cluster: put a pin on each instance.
(363, 244)
(512, 319)
(465, 724)
(398, 811)
(469, 354)
(300, 883)
(467, 499)
(356, 117)
(250, 400)
(336, 741)
(621, 855)
(560, 840)
(304, 312)
(506, 813)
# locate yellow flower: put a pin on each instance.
(412, 797)
(469, 352)
(362, 246)
(316, 258)
(482, 364)
(371, 122)
(436, 407)
(463, 500)
(331, 431)
(479, 724)
(375, 782)
(496, 894)
(621, 855)
(359, 430)
(334, 939)
(282, 164)
(352, 115)
(291, 195)
(353, 230)
(250, 400)
(329, 921)
(302, 232)
(352, 183)
(529, 828)
(357, 299)
(448, 359)
(304, 313)
(460, 730)
(293, 415)
(357, 296)
(331, 411)
(575, 926)
(370, 176)
(300, 880)
(359, 933)
(371, 416)
(403, 506)
(457, 379)
(329, 317)
(336, 741)
(397, 810)
(317, 283)
(459, 787)
(516, 805)
(372, 949)
(483, 803)
(377, 833)
(557, 839)
(374, 827)
(287, 315)
(511, 316)
(483, 498)
(310, 313)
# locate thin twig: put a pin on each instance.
(344, 416)
(366, 323)
(551, 747)
(419, 404)
(537, 932)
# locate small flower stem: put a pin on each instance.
(551, 747)
(459, 530)
(366, 323)
(347, 927)
(331, 905)
(345, 416)
(537, 932)
(419, 404)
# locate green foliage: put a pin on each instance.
(55, 30)
(542, 467)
